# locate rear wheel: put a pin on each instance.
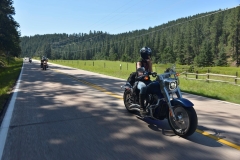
(128, 100)
(186, 122)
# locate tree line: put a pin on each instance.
(9, 34)
(206, 39)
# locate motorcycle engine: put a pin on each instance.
(161, 111)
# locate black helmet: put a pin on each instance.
(145, 52)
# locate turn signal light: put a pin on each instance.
(170, 112)
(146, 78)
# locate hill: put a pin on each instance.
(206, 39)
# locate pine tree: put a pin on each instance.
(222, 58)
(9, 36)
(235, 35)
(206, 55)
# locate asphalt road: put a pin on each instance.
(58, 115)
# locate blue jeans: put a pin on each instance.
(142, 87)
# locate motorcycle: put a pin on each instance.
(164, 101)
(30, 60)
(44, 65)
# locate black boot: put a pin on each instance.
(141, 102)
(137, 97)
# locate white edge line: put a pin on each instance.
(7, 118)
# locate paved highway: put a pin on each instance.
(65, 113)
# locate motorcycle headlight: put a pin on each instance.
(172, 85)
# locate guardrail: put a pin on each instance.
(213, 77)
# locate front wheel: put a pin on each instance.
(186, 123)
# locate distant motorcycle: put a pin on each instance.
(164, 100)
(30, 60)
(44, 64)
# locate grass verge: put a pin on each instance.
(8, 76)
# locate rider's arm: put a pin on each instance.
(149, 64)
(139, 65)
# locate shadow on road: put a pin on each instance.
(57, 117)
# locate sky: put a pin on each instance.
(111, 16)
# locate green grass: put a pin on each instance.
(111, 68)
(216, 90)
(8, 75)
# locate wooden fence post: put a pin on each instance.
(208, 75)
(236, 77)
(196, 74)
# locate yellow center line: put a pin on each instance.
(220, 140)
(230, 144)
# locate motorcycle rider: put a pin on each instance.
(143, 65)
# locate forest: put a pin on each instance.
(205, 39)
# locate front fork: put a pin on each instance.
(168, 100)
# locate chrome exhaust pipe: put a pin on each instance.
(135, 107)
